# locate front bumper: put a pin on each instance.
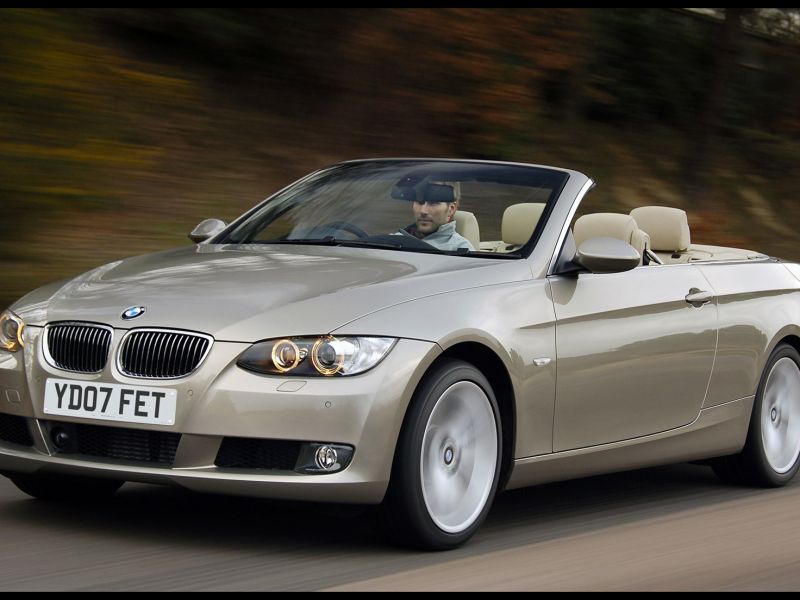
(221, 402)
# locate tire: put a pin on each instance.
(447, 461)
(64, 488)
(770, 455)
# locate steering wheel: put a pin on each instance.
(344, 226)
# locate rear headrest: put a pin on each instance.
(621, 227)
(467, 225)
(668, 227)
(519, 221)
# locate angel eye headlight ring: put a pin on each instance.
(326, 358)
(11, 331)
(285, 355)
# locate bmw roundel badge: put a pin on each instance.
(133, 312)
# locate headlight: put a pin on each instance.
(11, 328)
(308, 357)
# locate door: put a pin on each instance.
(634, 355)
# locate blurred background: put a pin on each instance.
(121, 129)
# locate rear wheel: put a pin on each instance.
(770, 456)
(64, 488)
(447, 461)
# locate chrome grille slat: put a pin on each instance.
(171, 344)
(165, 349)
(151, 344)
(78, 335)
(132, 366)
(160, 344)
(162, 353)
(146, 356)
(90, 337)
(192, 350)
(147, 353)
(69, 335)
(180, 349)
(141, 349)
(155, 341)
(98, 347)
(54, 338)
(181, 353)
(142, 364)
(137, 366)
(83, 339)
(90, 347)
(63, 335)
(78, 347)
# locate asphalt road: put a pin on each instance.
(671, 528)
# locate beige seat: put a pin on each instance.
(467, 225)
(614, 225)
(519, 221)
(668, 229)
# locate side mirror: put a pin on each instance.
(607, 255)
(206, 230)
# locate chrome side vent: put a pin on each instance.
(77, 347)
(162, 353)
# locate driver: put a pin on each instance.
(434, 207)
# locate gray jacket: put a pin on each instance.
(444, 238)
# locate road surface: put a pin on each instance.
(670, 528)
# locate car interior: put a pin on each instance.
(660, 234)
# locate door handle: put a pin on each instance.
(697, 297)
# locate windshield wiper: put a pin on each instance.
(402, 244)
(325, 241)
(368, 244)
(332, 241)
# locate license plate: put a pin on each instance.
(110, 401)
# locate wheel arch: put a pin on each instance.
(793, 339)
(787, 335)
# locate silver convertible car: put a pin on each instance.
(411, 334)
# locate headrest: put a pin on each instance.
(621, 227)
(467, 225)
(430, 192)
(519, 221)
(668, 227)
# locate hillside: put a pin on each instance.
(121, 129)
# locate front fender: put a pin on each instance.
(514, 320)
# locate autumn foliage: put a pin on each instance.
(122, 128)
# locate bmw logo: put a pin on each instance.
(133, 312)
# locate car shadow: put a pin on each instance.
(341, 538)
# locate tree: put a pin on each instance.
(701, 158)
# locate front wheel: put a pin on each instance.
(447, 461)
(770, 456)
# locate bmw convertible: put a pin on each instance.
(417, 335)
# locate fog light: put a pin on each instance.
(325, 457)
(320, 458)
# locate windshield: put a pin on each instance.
(414, 205)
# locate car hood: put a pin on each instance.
(247, 293)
